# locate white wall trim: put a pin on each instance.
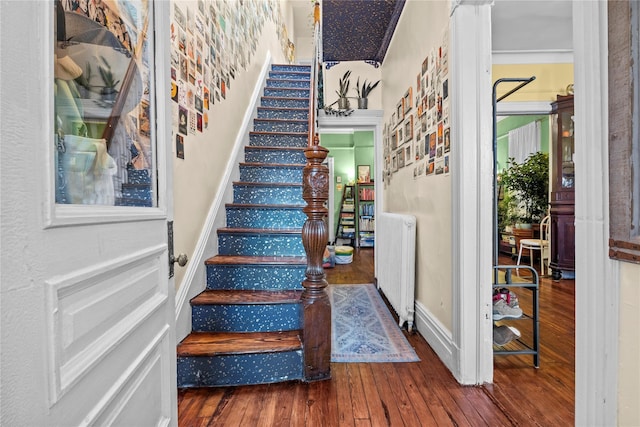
(509, 57)
(597, 292)
(194, 280)
(472, 195)
(438, 337)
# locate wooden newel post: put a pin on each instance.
(316, 307)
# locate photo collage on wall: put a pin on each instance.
(211, 42)
(418, 134)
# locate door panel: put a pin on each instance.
(88, 311)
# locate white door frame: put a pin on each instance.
(597, 294)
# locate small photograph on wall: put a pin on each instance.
(394, 162)
(446, 164)
(179, 17)
(400, 155)
(364, 173)
(431, 167)
(439, 166)
(408, 128)
(400, 112)
(408, 155)
(447, 140)
(174, 92)
(179, 146)
(182, 120)
(432, 145)
(192, 123)
(407, 100)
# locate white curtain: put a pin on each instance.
(524, 141)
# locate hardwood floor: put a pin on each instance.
(411, 394)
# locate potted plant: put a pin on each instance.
(110, 83)
(528, 182)
(84, 82)
(343, 101)
(363, 92)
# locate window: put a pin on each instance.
(104, 142)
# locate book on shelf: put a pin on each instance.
(367, 194)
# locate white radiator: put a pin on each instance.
(396, 266)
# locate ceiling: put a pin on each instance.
(360, 30)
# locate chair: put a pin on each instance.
(541, 244)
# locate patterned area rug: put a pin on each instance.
(362, 328)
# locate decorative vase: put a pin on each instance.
(343, 103)
(363, 103)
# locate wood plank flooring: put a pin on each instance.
(411, 394)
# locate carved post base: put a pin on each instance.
(316, 307)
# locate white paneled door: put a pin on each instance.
(87, 302)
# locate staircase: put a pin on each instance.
(246, 324)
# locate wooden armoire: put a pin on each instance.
(562, 188)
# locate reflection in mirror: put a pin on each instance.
(103, 144)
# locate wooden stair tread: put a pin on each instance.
(267, 184)
(256, 260)
(259, 206)
(237, 230)
(244, 297)
(219, 343)
(273, 165)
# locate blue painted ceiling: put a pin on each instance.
(358, 30)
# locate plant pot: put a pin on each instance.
(363, 103)
(343, 103)
(108, 94)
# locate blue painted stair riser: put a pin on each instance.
(285, 114)
(278, 140)
(246, 318)
(269, 218)
(279, 102)
(290, 157)
(273, 174)
(262, 368)
(302, 84)
(288, 67)
(286, 93)
(260, 245)
(268, 195)
(269, 125)
(290, 75)
(255, 277)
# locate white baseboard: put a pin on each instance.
(437, 336)
(194, 280)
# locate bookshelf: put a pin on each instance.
(366, 215)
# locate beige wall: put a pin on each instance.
(198, 177)
(629, 350)
(428, 198)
